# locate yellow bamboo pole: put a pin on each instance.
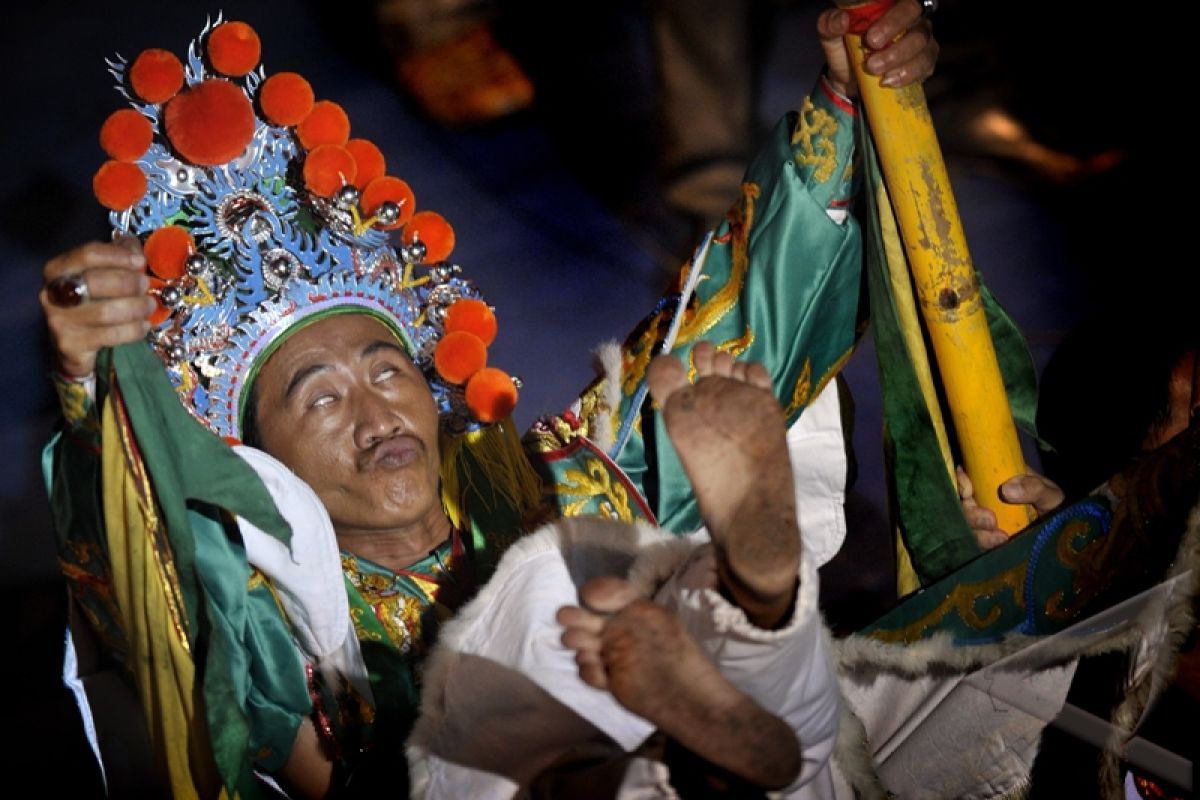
(944, 278)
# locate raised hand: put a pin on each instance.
(94, 297)
(904, 50)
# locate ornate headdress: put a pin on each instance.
(257, 212)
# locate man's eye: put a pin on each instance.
(385, 373)
(322, 401)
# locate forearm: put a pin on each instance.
(787, 670)
(737, 745)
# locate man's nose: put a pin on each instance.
(375, 420)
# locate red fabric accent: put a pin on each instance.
(864, 16)
(835, 98)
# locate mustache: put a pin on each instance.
(394, 451)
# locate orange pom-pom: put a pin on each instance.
(434, 232)
(160, 313)
(167, 249)
(327, 123)
(381, 190)
(458, 356)
(126, 135)
(211, 123)
(118, 185)
(491, 395)
(371, 164)
(286, 98)
(327, 168)
(473, 316)
(234, 49)
(156, 75)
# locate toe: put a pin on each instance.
(702, 358)
(607, 595)
(757, 375)
(723, 364)
(665, 377)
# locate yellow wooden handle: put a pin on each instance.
(946, 287)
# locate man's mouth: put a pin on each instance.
(395, 453)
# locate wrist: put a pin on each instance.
(844, 90)
(63, 374)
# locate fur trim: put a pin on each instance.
(1160, 629)
(606, 359)
(851, 753)
(591, 547)
(1167, 623)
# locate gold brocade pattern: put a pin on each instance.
(398, 613)
(596, 484)
(723, 300)
(1073, 558)
(804, 391)
(75, 403)
(550, 434)
(591, 404)
(155, 527)
(963, 600)
(638, 352)
(735, 347)
(635, 357)
(255, 580)
(361, 630)
(814, 139)
(82, 565)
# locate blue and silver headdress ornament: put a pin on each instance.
(258, 212)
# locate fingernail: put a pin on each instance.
(874, 65)
(143, 284)
(1010, 492)
(137, 259)
(890, 81)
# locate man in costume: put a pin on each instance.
(274, 222)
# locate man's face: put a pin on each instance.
(341, 404)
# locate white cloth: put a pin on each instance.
(503, 698)
(817, 446)
(308, 576)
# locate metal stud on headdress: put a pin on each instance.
(258, 212)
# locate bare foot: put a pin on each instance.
(640, 652)
(730, 435)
